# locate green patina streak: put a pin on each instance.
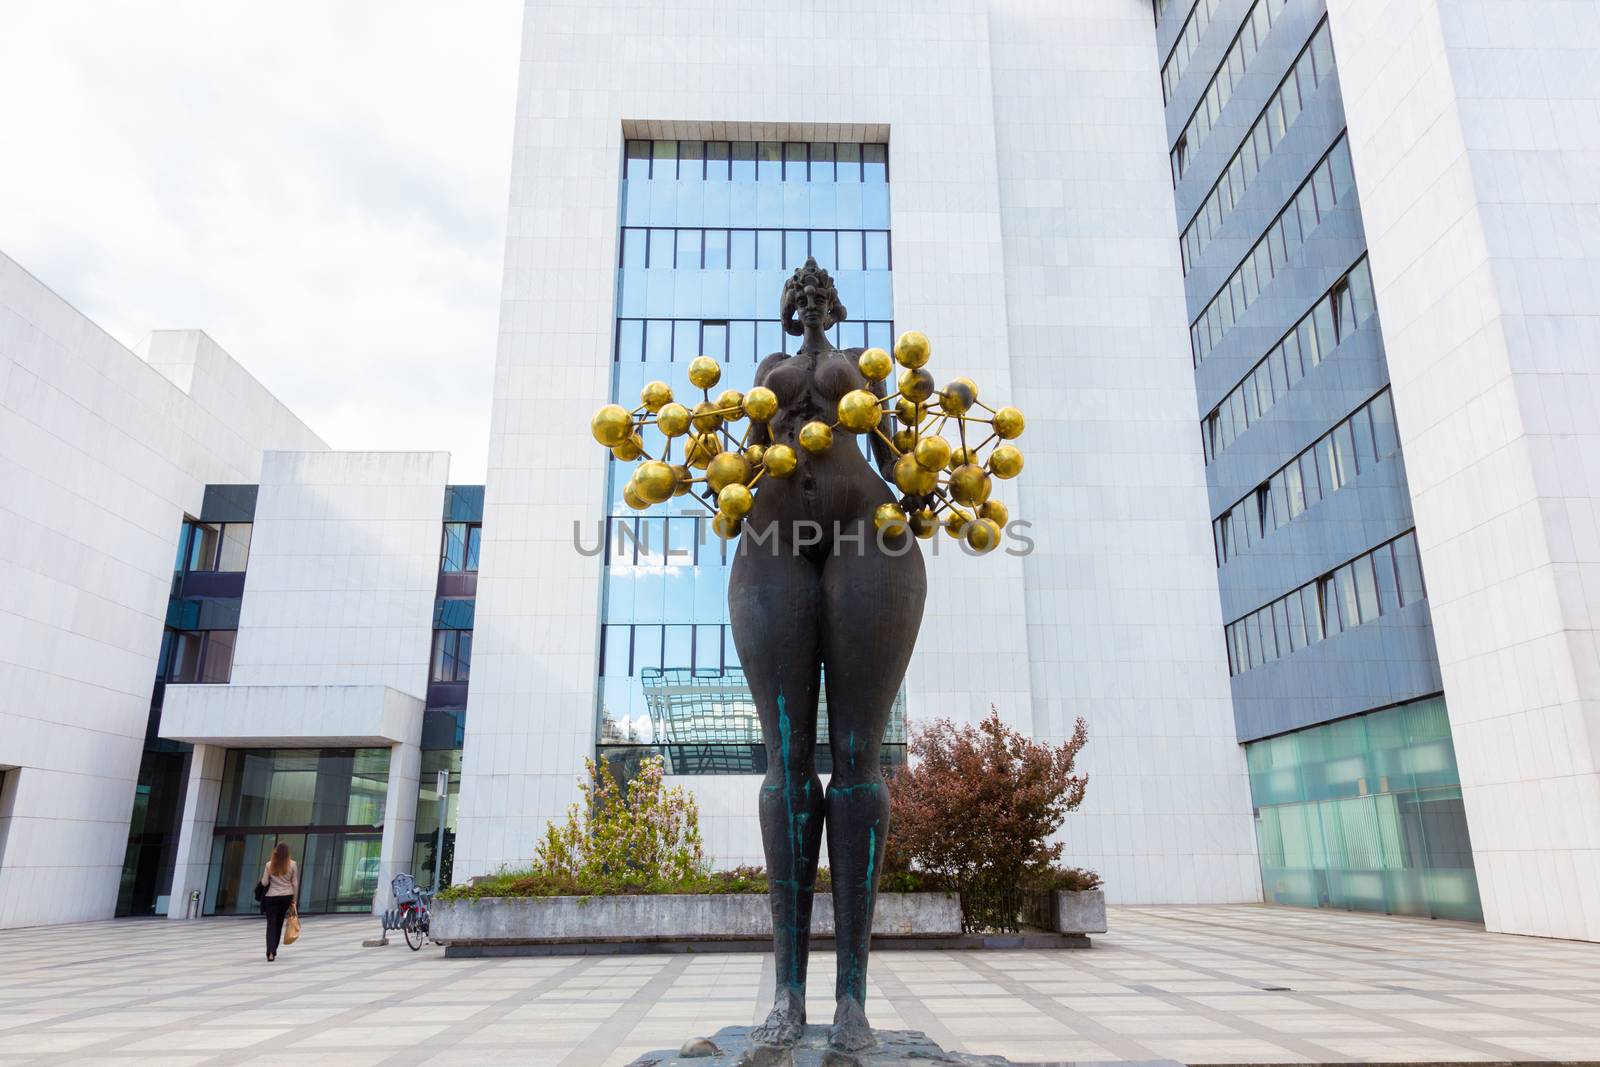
(791, 884)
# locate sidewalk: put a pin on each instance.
(1200, 985)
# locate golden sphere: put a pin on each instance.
(672, 419)
(780, 460)
(706, 419)
(727, 468)
(916, 385)
(955, 523)
(656, 395)
(735, 500)
(731, 401)
(654, 481)
(969, 485)
(753, 455)
(630, 496)
(704, 372)
(960, 457)
(858, 411)
(875, 364)
(629, 450)
(958, 397)
(904, 440)
(680, 472)
(760, 403)
(816, 437)
(908, 412)
(912, 479)
(726, 526)
(995, 512)
(702, 449)
(1006, 461)
(933, 453)
(1008, 423)
(891, 519)
(925, 523)
(611, 425)
(983, 535)
(912, 349)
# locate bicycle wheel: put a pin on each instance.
(415, 934)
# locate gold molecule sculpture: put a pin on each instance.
(949, 447)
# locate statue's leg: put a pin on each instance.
(774, 604)
(873, 610)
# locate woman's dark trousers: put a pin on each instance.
(276, 908)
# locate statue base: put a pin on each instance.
(732, 1047)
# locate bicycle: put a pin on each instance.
(415, 910)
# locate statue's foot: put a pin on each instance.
(851, 1032)
(785, 1023)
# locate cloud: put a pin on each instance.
(320, 186)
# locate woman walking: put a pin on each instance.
(282, 879)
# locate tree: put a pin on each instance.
(979, 806)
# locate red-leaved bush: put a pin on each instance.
(978, 806)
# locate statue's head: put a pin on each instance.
(809, 299)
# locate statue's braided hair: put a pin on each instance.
(816, 280)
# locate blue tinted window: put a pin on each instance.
(712, 230)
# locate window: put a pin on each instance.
(1194, 26)
(1408, 567)
(1229, 74)
(216, 546)
(665, 659)
(1312, 203)
(1252, 157)
(1285, 365)
(452, 655)
(1331, 462)
(461, 543)
(1375, 583)
(196, 657)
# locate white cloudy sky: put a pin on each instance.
(319, 184)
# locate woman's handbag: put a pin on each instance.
(261, 892)
(291, 926)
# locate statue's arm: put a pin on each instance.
(880, 448)
(759, 433)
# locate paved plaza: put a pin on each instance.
(1199, 985)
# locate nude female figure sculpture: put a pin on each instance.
(848, 602)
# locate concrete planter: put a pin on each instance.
(669, 917)
(1080, 913)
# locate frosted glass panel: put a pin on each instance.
(1366, 814)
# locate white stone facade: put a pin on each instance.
(1474, 127)
(335, 631)
(1034, 243)
(101, 454)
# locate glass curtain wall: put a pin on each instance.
(430, 851)
(1365, 814)
(710, 232)
(326, 804)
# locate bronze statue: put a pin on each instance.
(830, 576)
(813, 586)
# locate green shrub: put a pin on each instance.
(1069, 879)
(530, 882)
(643, 835)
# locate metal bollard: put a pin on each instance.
(193, 911)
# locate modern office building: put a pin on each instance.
(1297, 296)
(1258, 271)
(219, 633)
